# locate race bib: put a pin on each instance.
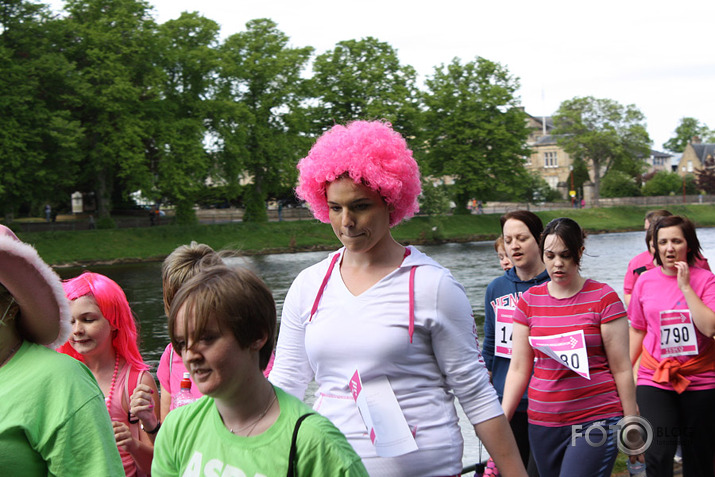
(677, 334)
(503, 331)
(382, 415)
(569, 349)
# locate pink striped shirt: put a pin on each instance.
(557, 395)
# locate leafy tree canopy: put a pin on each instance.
(684, 133)
(363, 79)
(669, 183)
(604, 132)
(474, 130)
(260, 122)
(619, 184)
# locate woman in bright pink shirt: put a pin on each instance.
(582, 382)
(672, 324)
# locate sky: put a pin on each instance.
(657, 55)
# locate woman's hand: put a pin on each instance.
(123, 436)
(141, 405)
(683, 273)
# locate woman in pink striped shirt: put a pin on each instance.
(572, 332)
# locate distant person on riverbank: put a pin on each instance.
(570, 341)
(504, 261)
(378, 315)
(53, 420)
(223, 323)
(104, 337)
(521, 230)
(672, 314)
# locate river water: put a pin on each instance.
(473, 264)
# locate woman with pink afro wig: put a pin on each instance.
(369, 152)
(378, 313)
(104, 337)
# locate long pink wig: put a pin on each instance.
(114, 306)
(371, 153)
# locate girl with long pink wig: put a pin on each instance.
(369, 152)
(104, 337)
(114, 306)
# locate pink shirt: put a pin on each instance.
(557, 395)
(118, 411)
(655, 292)
(171, 371)
(642, 263)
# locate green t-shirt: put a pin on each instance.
(194, 442)
(53, 420)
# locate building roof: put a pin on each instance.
(540, 119)
(659, 154)
(545, 140)
(703, 151)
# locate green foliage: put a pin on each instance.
(604, 132)
(534, 189)
(177, 153)
(669, 183)
(363, 79)
(619, 184)
(38, 137)
(684, 133)
(259, 122)
(112, 45)
(106, 223)
(434, 199)
(473, 130)
(185, 213)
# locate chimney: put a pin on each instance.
(696, 140)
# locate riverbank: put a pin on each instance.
(83, 247)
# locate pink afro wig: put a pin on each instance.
(371, 153)
(115, 308)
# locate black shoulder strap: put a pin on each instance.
(293, 449)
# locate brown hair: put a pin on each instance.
(530, 219)
(653, 215)
(691, 238)
(570, 233)
(236, 298)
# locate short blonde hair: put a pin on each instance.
(182, 264)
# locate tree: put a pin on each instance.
(363, 79)
(38, 137)
(259, 124)
(473, 130)
(619, 184)
(604, 133)
(113, 45)
(685, 132)
(669, 183)
(178, 156)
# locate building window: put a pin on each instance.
(690, 166)
(551, 159)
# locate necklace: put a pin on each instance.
(255, 423)
(11, 353)
(108, 399)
